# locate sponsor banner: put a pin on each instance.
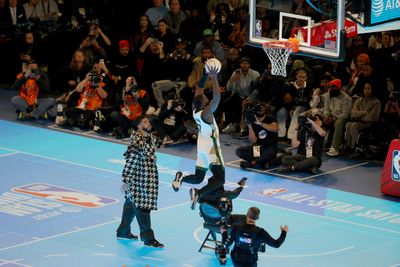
(324, 34)
(384, 10)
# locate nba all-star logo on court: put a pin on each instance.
(65, 195)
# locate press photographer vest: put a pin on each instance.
(90, 98)
(29, 91)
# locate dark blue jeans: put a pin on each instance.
(143, 218)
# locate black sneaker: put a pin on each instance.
(242, 182)
(153, 243)
(176, 183)
(284, 169)
(194, 196)
(130, 236)
(244, 164)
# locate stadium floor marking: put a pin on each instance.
(83, 229)
(270, 171)
(308, 255)
(115, 172)
(89, 134)
(8, 154)
(326, 217)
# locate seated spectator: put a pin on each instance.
(293, 100)
(221, 23)
(356, 70)
(175, 17)
(376, 80)
(94, 47)
(157, 12)
(164, 35)
(318, 96)
(263, 130)
(144, 31)
(153, 55)
(266, 87)
(68, 77)
(135, 102)
(337, 107)
(32, 85)
(93, 93)
(309, 152)
(209, 41)
(170, 125)
(240, 87)
(122, 65)
(178, 64)
(365, 112)
(232, 64)
(196, 76)
(192, 28)
(31, 50)
(12, 14)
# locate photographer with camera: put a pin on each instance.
(93, 46)
(309, 152)
(248, 239)
(263, 129)
(93, 94)
(171, 121)
(134, 104)
(32, 84)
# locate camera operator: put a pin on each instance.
(134, 104)
(263, 129)
(171, 121)
(248, 239)
(311, 136)
(92, 97)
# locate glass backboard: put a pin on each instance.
(319, 25)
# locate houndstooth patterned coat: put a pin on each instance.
(140, 171)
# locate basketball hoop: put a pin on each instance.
(278, 53)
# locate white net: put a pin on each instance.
(278, 54)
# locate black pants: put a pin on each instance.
(175, 132)
(143, 218)
(235, 256)
(214, 182)
(301, 162)
(121, 121)
(267, 153)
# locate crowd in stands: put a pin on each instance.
(150, 62)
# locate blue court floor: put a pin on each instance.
(60, 205)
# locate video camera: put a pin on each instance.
(251, 112)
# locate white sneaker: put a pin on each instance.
(157, 112)
(231, 128)
(167, 140)
(150, 110)
(333, 152)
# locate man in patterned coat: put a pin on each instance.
(140, 184)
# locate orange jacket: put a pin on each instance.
(132, 108)
(29, 91)
(90, 98)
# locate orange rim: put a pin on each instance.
(292, 43)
